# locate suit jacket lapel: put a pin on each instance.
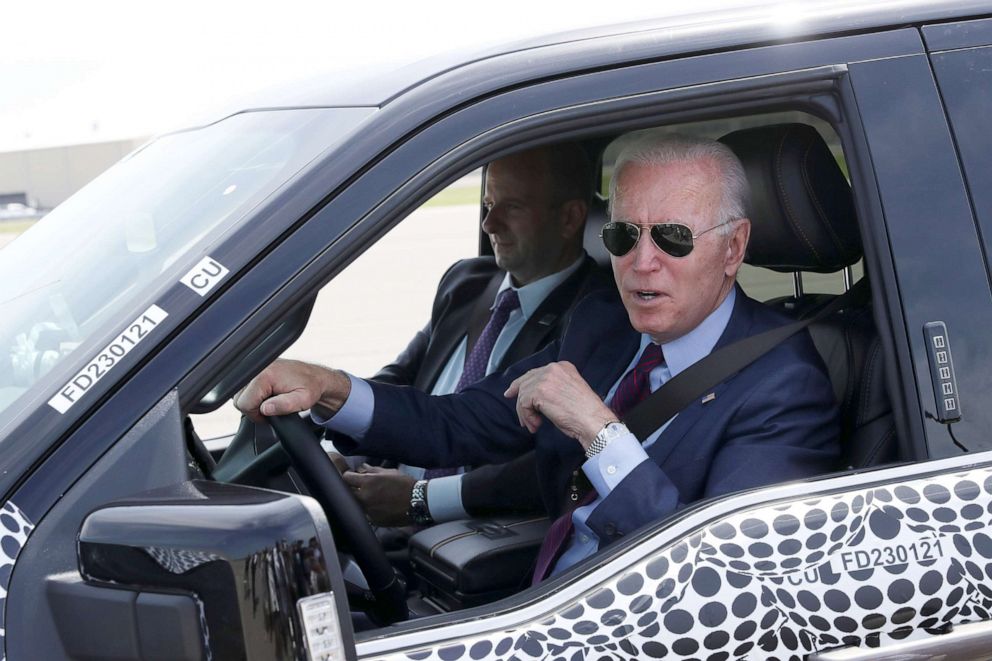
(607, 362)
(739, 326)
(678, 429)
(450, 331)
(546, 319)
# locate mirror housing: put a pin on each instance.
(245, 556)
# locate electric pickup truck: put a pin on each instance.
(134, 311)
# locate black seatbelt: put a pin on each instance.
(694, 381)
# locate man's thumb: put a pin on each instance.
(281, 405)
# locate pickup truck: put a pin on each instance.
(165, 285)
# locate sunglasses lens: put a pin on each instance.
(673, 238)
(619, 238)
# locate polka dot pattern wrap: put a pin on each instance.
(777, 582)
(14, 531)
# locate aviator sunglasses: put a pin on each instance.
(673, 238)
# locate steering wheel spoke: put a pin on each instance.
(346, 517)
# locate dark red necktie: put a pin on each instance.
(634, 387)
(636, 384)
(556, 539)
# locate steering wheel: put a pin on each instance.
(347, 519)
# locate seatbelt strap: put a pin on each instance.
(693, 382)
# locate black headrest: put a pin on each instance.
(801, 209)
(594, 225)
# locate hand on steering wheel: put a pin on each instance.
(345, 515)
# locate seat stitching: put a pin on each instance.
(851, 385)
(453, 538)
(878, 446)
(797, 228)
(871, 370)
(827, 225)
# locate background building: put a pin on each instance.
(48, 176)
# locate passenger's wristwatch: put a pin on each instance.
(419, 513)
(609, 432)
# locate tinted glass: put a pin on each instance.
(90, 266)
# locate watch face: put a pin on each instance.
(609, 432)
(613, 430)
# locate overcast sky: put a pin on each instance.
(75, 71)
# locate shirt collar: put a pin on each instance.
(695, 345)
(533, 294)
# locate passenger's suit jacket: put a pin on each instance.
(463, 299)
(774, 420)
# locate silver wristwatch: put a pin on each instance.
(610, 432)
(419, 513)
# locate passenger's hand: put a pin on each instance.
(384, 493)
(290, 386)
(339, 462)
(559, 393)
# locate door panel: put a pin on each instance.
(893, 557)
(863, 562)
(937, 253)
(965, 80)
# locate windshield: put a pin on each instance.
(73, 277)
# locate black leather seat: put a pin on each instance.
(598, 216)
(803, 219)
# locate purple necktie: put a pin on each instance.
(478, 359)
(634, 387)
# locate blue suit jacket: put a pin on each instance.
(774, 420)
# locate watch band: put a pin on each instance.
(610, 431)
(419, 513)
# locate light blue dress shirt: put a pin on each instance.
(608, 468)
(444, 494)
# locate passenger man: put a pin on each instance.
(487, 314)
(677, 238)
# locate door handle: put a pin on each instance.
(964, 642)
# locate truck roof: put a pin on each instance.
(672, 33)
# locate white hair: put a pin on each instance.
(664, 149)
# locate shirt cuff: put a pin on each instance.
(608, 468)
(355, 416)
(444, 499)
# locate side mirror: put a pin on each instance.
(208, 570)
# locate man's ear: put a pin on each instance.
(737, 246)
(573, 218)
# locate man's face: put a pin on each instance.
(665, 296)
(523, 225)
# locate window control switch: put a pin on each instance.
(945, 386)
